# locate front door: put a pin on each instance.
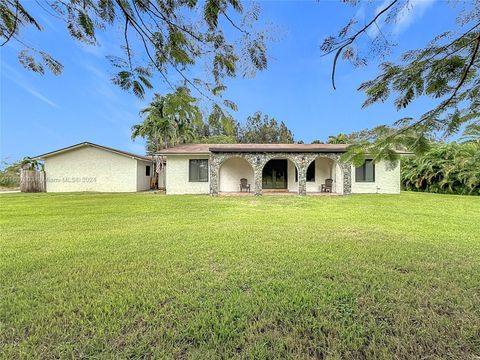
(274, 175)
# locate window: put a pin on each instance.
(310, 172)
(147, 170)
(198, 170)
(366, 172)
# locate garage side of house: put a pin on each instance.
(91, 167)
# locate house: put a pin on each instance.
(295, 168)
(91, 167)
(217, 168)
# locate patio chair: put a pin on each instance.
(327, 187)
(244, 185)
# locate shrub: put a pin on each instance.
(446, 168)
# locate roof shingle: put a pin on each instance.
(207, 148)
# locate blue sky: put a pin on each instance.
(43, 113)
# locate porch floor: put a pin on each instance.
(275, 193)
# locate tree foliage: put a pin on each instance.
(10, 174)
(446, 168)
(338, 139)
(160, 37)
(176, 118)
(446, 70)
(260, 129)
(169, 120)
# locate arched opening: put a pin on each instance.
(278, 175)
(231, 171)
(319, 173)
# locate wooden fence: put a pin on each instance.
(32, 181)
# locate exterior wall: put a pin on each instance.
(162, 177)
(91, 169)
(143, 181)
(231, 171)
(291, 183)
(387, 180)
(177, 176)
(338, 183)
(324, 169)
(258, 160)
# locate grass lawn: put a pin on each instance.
(143, 275)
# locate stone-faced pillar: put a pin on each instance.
(257, 178)
(214, 173)
(258, 161)
(347, 178)
(302, 179)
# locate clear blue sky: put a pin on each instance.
(40, 114)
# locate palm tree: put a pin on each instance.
(28, 163)
(338, 139)
(169, 120)
(445, 168)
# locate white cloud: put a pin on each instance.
(382, 6)
(38, 95)
(20, 81)
(411, 12)
(374, 30)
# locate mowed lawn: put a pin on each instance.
(153, 276)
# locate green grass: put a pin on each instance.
(143, 275)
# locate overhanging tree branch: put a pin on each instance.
(346, 42)
(445, 103)
(9, 36)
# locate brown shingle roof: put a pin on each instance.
(206, 148)
(187, 149)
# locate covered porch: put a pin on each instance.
(278, 174)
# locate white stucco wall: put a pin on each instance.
(143, 181)
(291, 183)
(387, 180)
(338, 182)
(91, 169)
(177, 176)
(324, 169)
(231, 171)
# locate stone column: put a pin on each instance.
(258, 162)
(214, 172)
(257, 178)
(347, 178)
(302, 179)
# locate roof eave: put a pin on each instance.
(277, 150)
(182, 153)
(86, 143)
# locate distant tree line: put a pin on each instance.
(176, 118)
(10, 174)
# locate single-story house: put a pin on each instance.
(91, 167)
(219, 168)
(296, 168)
